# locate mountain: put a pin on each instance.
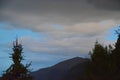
(77, 72)
(61, 70)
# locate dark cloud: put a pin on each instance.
(44, 6)
(2, 2)
(106, 4)
(39, 15)
(60, 11)
(58, 5)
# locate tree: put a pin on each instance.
(17, 71)
(116, 54)
(99, 59)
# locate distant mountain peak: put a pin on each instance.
(59, 70)
(71, 61)
(76, 58)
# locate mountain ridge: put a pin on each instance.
(59, 70)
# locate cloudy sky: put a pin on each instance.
(54, 30)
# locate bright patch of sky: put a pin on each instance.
(112, 35)
(10, 34)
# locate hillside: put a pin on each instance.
(60, 71)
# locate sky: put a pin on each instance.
(55, 30)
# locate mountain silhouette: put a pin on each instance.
(61, 70)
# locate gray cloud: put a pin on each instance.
(59, 11)
(2, 3)
(80, 21)
(73, 46)
(106, 4)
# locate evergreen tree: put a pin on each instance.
(105, 61)
(17, 71)
(116, 54)
(99, 59)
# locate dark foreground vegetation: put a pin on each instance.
(104, 63)
(17, 71)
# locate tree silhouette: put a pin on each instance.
(105, 61)
(116, 54)
(17, 71)
(99, 59)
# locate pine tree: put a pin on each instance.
(99, 59)
(116, 54)
(17, 71)
(105, 61)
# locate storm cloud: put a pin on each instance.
(60, 11)
(106, 4)
(64, 22)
